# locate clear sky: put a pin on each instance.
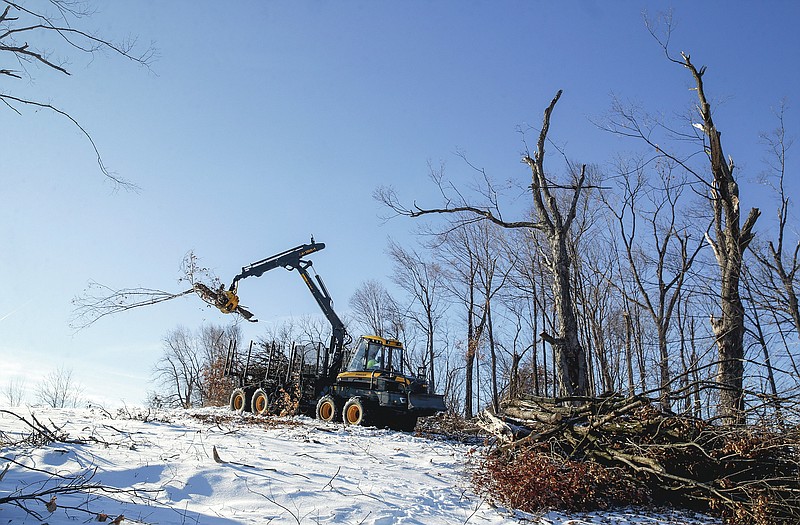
(262, 123)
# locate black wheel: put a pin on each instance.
(240, 400)
(328, 409)
(260, 402)
(355, 413)
(406, 423)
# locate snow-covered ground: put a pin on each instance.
(290, 470)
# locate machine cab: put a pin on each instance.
(375, 353)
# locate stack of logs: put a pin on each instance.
(746, 474)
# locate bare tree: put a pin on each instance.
(179, 370)
(529, 285)
(598, 305)
(458, 250)
(422, 281)
(660, 264)
(14, 391)
(757, 332)
(59, 389)
(554, 219)
(731, 236)
(780, 257)
(731, 240)
(215, 344)
(25, 30)
(313, 328)
(493, 273)
(375, 309)
(523, 320)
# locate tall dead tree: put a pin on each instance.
(732, 239)
(570, 355)
(730, 236)
(554, 220)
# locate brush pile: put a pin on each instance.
(586, 454)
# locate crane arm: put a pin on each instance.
(290, 259)
(293, 260)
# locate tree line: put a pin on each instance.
(644, 277)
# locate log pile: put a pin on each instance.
(745, 474)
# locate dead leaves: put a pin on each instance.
(104, 517)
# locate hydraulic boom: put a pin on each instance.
(293, 260)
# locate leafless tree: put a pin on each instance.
(314, 328)
(179, 370)
(458, 250)
(553, 217)
(59, 389)
(658, 261)
(493, 272)
(422, 280)
(599, 312)
(730, 235)
(285, 331)
(732, 238)
(528, 292)
(375, 309)
(758, 333)
(26, 28)
(215, 344)
(781, 257)
(522, 340)
(14, 391)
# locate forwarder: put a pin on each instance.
(373, 388)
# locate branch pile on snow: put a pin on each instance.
(595, 453)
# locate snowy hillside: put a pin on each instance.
(264, 471)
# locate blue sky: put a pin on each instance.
(262, 123)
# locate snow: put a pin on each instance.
(267, 470)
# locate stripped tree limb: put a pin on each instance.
(99, 300)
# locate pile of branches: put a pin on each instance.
(584, 454)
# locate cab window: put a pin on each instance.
(359, 357)
(368, 356)
(374, 356)
(396, 362)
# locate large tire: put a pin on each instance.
(240, 400)
(355, 413)
(259, 405)
(406, 423)
(328, 409)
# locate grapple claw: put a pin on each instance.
(229, 301)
